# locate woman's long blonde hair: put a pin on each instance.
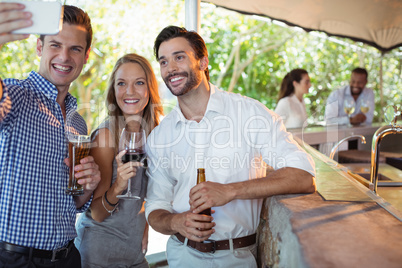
(152, 111)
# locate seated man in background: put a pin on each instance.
(363, 100)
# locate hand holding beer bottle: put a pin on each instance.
(201, 178)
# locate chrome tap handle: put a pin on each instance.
(391, 116)
(335, 148)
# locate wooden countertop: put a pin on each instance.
(309, 231)
(332, 133)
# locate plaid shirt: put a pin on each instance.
(35, 211)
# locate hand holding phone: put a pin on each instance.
(11, 18)
(47, 17)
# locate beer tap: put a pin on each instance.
(391, 116)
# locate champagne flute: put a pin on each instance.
(134, 144)
(349, 106)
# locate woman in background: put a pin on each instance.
(113, 232)
(291, 106)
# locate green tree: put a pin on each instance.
(233, 39)
(248, 54)
(120, 27)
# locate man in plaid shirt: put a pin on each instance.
(37, 218)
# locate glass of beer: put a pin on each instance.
(78, 148)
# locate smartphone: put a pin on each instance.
(47, 17)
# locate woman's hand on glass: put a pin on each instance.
(125, 171)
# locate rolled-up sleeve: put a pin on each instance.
(10, 103)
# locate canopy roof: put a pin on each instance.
(374, 22)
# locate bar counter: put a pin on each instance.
(313, 135)
(324, 138)
(311, 231)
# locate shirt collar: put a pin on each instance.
(50, 90)
(215, 104)
(71, 102)
(43, 85)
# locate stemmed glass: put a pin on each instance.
(349, 106)
(364, 105)
(134, 144)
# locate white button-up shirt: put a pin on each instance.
(334, 112)
(293, 111)
(230, 141)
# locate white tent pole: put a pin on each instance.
(192, 9)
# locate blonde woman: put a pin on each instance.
(113, 232)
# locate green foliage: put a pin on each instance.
(329, 61)
(120, 27)
(259, 51)
(18, 59)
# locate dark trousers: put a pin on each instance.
(17, 260)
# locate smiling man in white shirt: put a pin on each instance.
(232, 137)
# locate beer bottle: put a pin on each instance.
(201, 178)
